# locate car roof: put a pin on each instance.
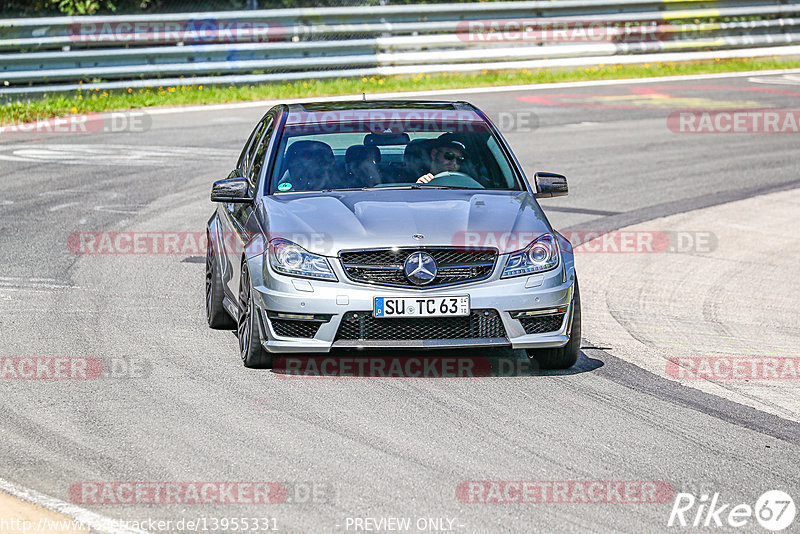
(379, 104)
(383, 113)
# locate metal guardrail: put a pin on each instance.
(57, 54)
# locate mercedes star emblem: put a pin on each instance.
(420, 268)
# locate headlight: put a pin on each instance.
(287, 258)
(541, 255)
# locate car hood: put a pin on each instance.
(326, 223)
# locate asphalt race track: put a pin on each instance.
(181, 407)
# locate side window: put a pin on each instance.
(260, 152)
(502, 162)
(244, 161)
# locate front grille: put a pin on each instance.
(385, 266)
(541, 324)
(291, 328)
(478, 324)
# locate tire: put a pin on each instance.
(216, 315)
(250, 349)
(566, 356)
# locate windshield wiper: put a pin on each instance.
(413, 186)
(435, 186)
(395, 186)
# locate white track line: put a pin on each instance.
(62, 206)
(92, 520)
(468, 91)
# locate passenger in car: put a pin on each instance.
(361, 166)
(416, 162)
(417, 158)
(311, 166)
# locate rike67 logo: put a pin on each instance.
(774, 510)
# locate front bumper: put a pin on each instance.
(275, 293)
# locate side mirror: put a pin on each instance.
(236, 190)
(548, 184)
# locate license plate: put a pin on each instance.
(421, 307)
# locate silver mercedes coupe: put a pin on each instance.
(387, 224)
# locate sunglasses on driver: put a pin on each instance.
(450, 156)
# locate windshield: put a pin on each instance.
(389, 149)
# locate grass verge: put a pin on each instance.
(88, 100)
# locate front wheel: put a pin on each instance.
(566, 356)
(250, 349)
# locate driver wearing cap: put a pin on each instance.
(447, 155)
